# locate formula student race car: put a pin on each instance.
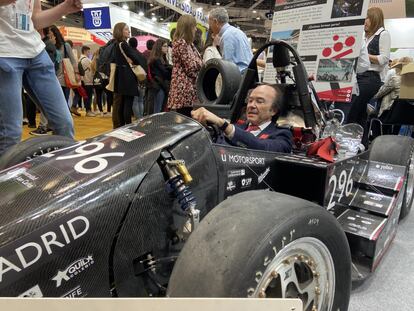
(157, 208)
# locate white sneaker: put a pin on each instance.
(90, 114)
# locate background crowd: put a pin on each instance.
(107, 79)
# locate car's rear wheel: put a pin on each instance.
(32, 148)
(266, 244)
(397, 150)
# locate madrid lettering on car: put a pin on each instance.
(235, 158)
(72, 230)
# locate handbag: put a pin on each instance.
(98, 80)
(111, 84)
(69, 74)
(138, 71)
(82, 92)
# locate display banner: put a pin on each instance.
(97, 18)
(391, 8)
(328, 35)
(185, 7)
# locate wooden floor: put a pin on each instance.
(85, 127)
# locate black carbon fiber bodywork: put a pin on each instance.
(149, 221)
(59, 214)
(95, 219)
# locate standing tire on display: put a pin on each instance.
(397, 150)
(32, 148)
(206, 82)
(266, 244)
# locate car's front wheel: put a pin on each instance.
(32, 148)
(266, 244)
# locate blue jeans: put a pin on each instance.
(138, 105)
(37, 75)
(159, 100)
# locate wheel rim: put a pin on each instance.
(410, 182)
(303, 269)
(41, 151)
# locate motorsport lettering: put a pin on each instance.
(234, 158)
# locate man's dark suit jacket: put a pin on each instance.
(272, 138)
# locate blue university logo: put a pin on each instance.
(96, 18)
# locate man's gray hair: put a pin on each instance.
(220, 14)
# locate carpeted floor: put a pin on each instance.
(391, 287)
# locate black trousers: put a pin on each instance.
(369, 83)
(122, 110)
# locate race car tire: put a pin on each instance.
(32, 148)
(206, 87)
(397, 150)
(243, 246)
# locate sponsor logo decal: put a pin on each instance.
(384, 167)
(34, 292)
(241, 159)
(73, 270)
(75, 293)
(15, 260)
(127, 135)
(262, 176)
(236, 173)
(231, 185)
(246, 182)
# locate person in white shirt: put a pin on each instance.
(24, 61)
(87, 79)
(211, 49)
(378, 43)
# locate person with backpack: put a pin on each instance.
(138, 104)
(125, 83)
(62, 50)
(100, 80)
(85, 72)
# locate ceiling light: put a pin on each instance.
(63, 16)
(125, 6)
(217, 3)
(154, 19)
(141, 13)
(258, 17)
(151, 4)
(161, 19)
(152, 13)
(254, 11)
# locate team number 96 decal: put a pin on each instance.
(88, 159)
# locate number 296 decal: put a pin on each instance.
(342, 184)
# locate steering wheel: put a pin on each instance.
(214, 131)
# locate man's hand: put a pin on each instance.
(71, 6)
(203, 116)
(7, 2)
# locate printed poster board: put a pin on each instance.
(328, 35)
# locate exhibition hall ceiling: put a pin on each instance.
(253, 17)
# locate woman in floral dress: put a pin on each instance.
(186, 65)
